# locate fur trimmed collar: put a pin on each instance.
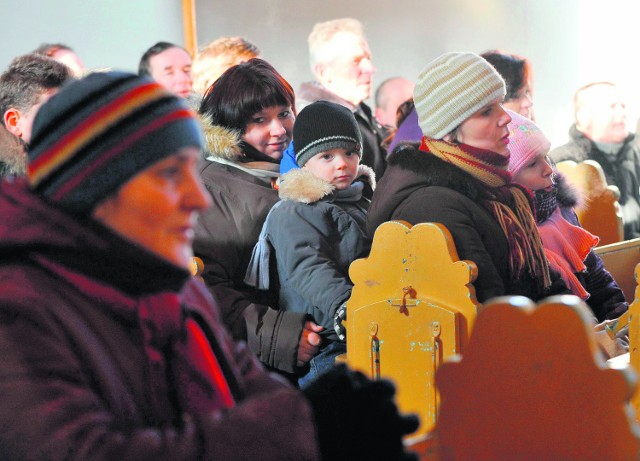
(220, 142)
(300, 185)
(568, 196)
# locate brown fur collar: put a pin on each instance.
(219, 141)
(300, 185)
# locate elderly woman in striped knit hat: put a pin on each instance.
(458, 177)
(111, 350)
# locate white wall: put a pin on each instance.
(570, 42)
(104, 33)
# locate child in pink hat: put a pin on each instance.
(568, 246)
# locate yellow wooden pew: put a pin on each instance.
(412, 307)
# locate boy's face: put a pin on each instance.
(537, 174)
(337, 166)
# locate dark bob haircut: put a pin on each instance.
(516, 70)
(243, 90)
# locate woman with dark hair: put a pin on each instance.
(516, 72)
(458, 177)
(248, 116)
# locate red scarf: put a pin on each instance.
(199, 381)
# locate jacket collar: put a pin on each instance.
(587, 144)
(35, 230)
(300, 185)
(314, 91)
(221, 142)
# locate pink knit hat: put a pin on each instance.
(526, 141)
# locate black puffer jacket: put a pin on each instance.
(418, 187)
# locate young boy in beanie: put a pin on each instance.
(568, 246)
(111, 350)
(318, 227)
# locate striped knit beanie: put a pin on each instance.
(452, 88)
(322, 126)
(99, 132)
(526, 141)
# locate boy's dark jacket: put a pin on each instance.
(316, 236)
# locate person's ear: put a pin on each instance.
(581, 119)
(449, 137)
(11, 120)
(321, 72)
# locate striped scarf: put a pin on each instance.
(509, 204)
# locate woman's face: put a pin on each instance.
(269, 131)
(158, 208)
(486, 129)
(537, 174)
(522, 103)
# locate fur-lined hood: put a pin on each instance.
(568, 196)
(219, 141)
(300, 185)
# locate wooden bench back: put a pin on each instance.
(620, 260)
(599, 211)
(412, 307)
(532, 385)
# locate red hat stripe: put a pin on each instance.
(100, 121)
(104, 158)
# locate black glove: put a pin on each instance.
(357, 418)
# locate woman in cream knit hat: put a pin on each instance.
(458, 177)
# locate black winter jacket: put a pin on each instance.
(418, 187)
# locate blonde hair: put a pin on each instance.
(212, 60)
(321, 35)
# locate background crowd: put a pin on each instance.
(113, 181)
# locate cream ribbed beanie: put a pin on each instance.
(451, 88)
